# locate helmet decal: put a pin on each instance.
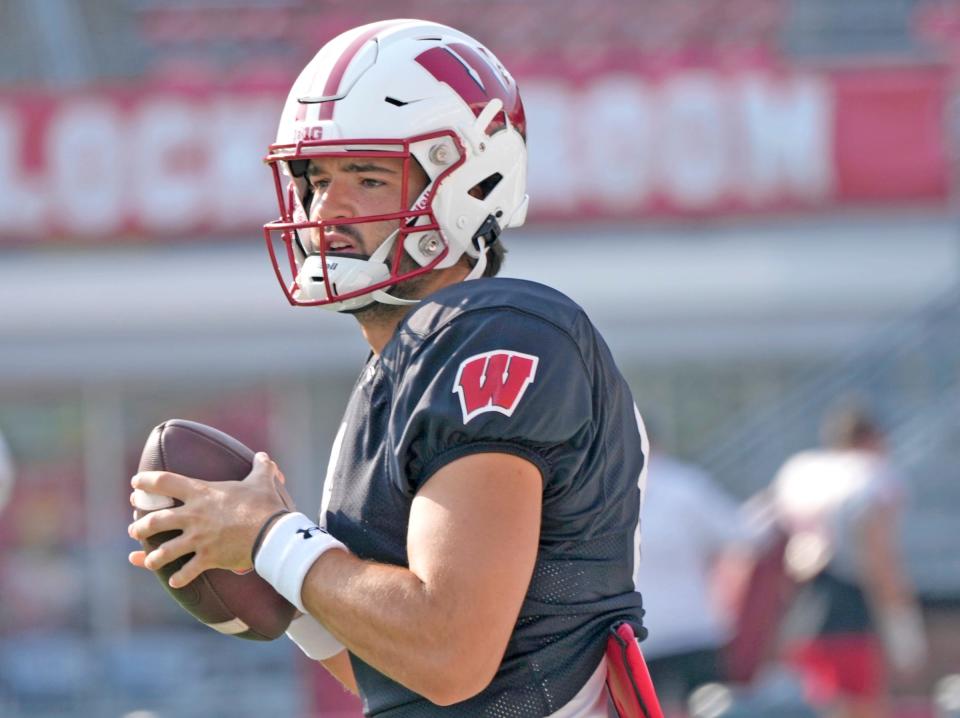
(331, 86)
(476, 78)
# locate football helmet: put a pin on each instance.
(408, 89)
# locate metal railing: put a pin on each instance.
(904, 372)
(910, 375)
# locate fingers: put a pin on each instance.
(145, 501)
(164, 483)
(151, 487)
(166, 552)
(187, 573)
(154, 523)
(215, 521)
(178, 580)
(264, 469)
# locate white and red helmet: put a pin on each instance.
(415, 90)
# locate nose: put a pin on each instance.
(333, 202)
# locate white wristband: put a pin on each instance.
(289, 549)
(312, 638)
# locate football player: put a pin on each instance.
(840, 505)
(479, 528)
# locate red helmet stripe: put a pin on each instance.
(475, 78)
(332, 86)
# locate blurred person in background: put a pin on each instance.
(855, 614)
(479, 525)
(6, 473)
(695, 556)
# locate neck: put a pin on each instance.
(378, 322)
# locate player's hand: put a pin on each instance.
(218, 520)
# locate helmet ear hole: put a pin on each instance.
(482, 189)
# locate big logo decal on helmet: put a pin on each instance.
(494, 381)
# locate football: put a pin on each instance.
(240, 605)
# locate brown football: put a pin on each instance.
(244, 606)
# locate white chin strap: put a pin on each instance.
(481, 264)
(379, 255)
(384, 298)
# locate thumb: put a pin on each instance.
(263, 468)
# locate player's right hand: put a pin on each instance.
(218, 521)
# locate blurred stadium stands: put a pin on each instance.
(66, 43)
(737, 311)
(226, 39)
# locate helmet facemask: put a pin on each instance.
(444, 101)
(313, 275)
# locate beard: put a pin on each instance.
(413, 288)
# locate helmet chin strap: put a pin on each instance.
(379, 255)
(481, 264)
(381, 296)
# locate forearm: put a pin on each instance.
(892, 600)
(390, 618)
(441, 626)
(881, 564)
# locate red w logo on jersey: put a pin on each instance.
(494, 381)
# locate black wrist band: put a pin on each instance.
(263, 532)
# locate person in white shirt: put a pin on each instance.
(859, 614)
(692, 532)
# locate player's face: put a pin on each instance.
(347, 188)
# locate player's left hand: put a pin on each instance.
(219, 521)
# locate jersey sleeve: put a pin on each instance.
(491, 381)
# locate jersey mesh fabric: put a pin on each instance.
(575, 422)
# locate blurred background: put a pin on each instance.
(757, 201)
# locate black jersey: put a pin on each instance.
(501, 365)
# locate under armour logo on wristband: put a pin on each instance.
(284, 560)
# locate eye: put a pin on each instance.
(371, 182)
(319, 183)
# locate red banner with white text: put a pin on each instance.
(612, 144)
